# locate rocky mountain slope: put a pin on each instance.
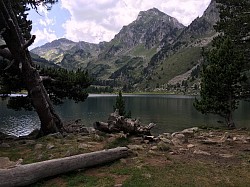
(184, 54)
(145, 54)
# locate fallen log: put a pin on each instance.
(117, 123)
(23, 175)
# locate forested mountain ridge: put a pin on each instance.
(146, 54)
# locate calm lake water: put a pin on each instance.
(170, 113)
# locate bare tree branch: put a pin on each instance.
(9, 66)
(46, 78)
(29, 42)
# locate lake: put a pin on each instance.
(170, 113)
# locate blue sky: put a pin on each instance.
(99, 20)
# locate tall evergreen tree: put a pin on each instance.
(235, 23)
(120, 104)
(224, 80)
(221, 84)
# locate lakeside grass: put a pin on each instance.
(144, 168)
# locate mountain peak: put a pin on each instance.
(212, 13)
(155, 13)
(150, 13)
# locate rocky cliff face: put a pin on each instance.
(149, 29)
(184, 53)
(151, 50)
(199, 33)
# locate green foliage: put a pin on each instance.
(221, 80)
(64, 84)
(234, 20)
(10, 79)
(234, 23)
(120, 104)
(59, 83)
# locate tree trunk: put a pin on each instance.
(229, 121)
(229, 115)
(50, 121)
(23, 175)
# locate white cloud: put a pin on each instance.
(46, 35)
(86, 31)
(100, 20)
(45, 20)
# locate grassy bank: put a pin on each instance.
(224, 160)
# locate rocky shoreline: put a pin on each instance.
(191, 141)
(194, 145)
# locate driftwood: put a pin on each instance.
(117, 123)
(23, 175)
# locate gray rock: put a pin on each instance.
(226, 155)
(167, 135)
(189, 146)
(179, 139)
(178, 135)
(199, 152)
(190, 132)
(118, 185)
(154, 148)
(152, 152)
(165, 140)
(50, 146)
(193, 129)
(91, 130)
(135, 147)
(210, 142)
(84, 146)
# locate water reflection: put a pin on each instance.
(170, 113)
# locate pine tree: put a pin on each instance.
(235, 23)
(120, 104)
(222, 79)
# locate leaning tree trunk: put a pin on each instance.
(18, 50)
(23, 175)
